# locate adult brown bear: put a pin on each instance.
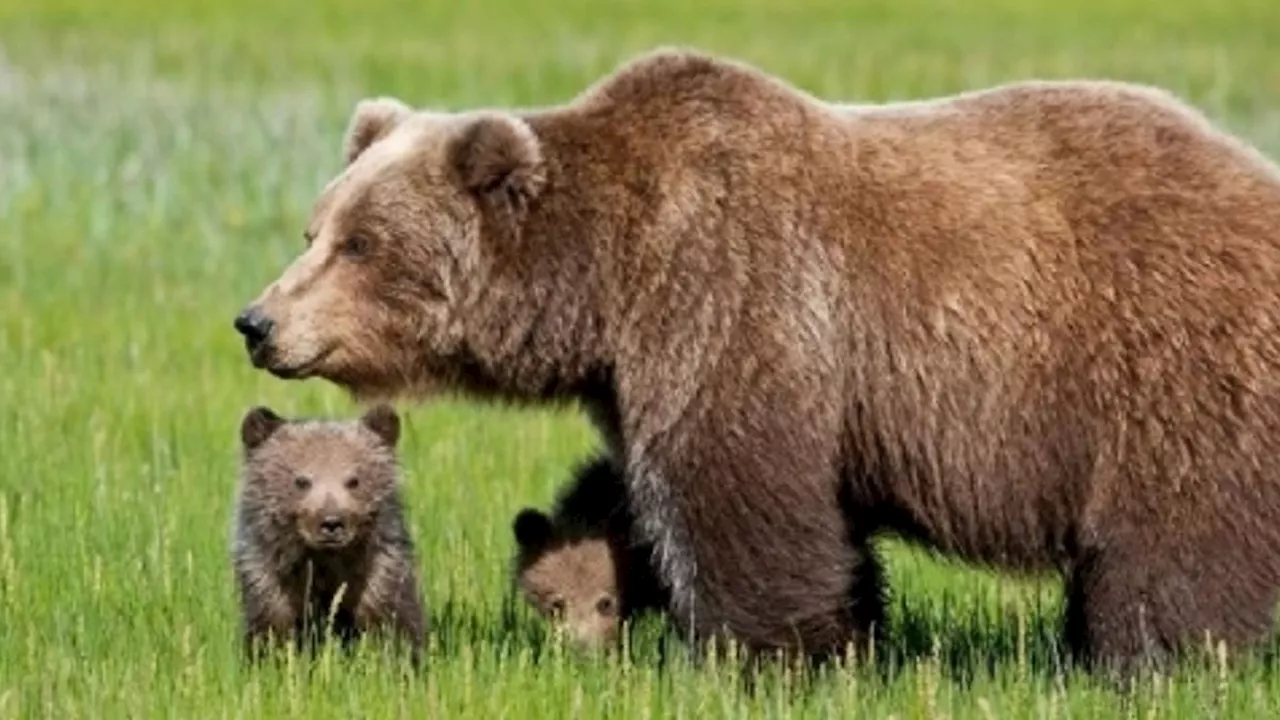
(1033, 326)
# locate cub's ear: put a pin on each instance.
(498, 158)
(532, 529)
(372, 120)
(384, 422)
(259, 423)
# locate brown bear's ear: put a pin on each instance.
(384, 422)
(499, 159)
(258, 425)
(532, 529)
(373, 119)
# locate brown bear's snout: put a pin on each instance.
(256, 329)
(327, 529)
(331, 526)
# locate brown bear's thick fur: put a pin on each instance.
(580, 566)
(1036, 326)
(319, 538)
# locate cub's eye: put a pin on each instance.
(355, 246)
(301, 483)
(308, 238)
(353, 483)
(605, 605)
(557, 607)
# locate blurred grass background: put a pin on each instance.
(156, 163)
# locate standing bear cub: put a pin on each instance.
(320, 545)
(580, 566)
(1035, 326)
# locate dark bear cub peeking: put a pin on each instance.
(581, 566)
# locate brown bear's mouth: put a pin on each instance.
(287, 373)
(261, 355)
(328, 543)
(263, 360)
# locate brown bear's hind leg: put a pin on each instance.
(1140, 604)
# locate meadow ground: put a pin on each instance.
(156, 162)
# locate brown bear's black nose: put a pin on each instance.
(331, 525)
(254, 326)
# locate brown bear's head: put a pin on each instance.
(571, 581)
(398, 246)
(321, 483)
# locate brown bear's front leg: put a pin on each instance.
(392, 607)
(269, 624)
(750, 538)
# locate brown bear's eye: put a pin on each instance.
(604, 605)
(356, 246)
(557, 607)
(353, 483)
(301, 483)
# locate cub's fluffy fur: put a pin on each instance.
(320, 545)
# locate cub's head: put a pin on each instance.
(571, 581)
(397, 246)
(322, 482)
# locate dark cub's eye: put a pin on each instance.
(604, 605)
(356, 246)
(301, 483)
(353, 483)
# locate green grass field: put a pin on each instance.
(156, 163)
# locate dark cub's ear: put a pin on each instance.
(499, 159)
(384, 422)
(373, 119)
(532, 529)
(258, 425)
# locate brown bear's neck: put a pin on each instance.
(319, 574)
(538, 333)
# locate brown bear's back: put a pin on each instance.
(1049, 298)
(1081, 304)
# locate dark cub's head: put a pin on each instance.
(571, 579)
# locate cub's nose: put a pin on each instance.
(331, 525)
(254, 326)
